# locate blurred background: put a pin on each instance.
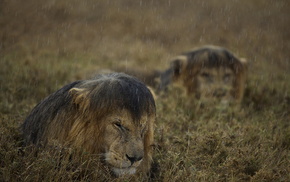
(145, 31)
(45, 44)
(41, 40)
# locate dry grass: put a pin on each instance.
(46, 44)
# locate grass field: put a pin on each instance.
(45, 44)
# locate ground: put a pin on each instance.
(46, 44)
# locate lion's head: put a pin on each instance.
(111, 115)
(124, 142)
(211, 74)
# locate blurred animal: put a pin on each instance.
(111, 114)
(211, 74)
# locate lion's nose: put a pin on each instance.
(219, 93)
(134, 158)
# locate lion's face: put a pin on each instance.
(212, 75)
(124, 142)
(213, 86)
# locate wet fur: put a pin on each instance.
(73, 115)
(184, 69)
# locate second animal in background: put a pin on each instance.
(212, 75)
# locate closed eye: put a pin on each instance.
(227, 77)
(120, 126)
(207, 77)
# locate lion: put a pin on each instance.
(212, 75)
(111, 115)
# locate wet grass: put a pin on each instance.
(46, 44)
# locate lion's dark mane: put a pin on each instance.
(105, 94)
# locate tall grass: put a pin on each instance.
(46, 44)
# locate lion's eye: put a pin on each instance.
(227, 77)
(206, 76)
(120, 126)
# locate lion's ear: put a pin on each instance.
(152, 92)
(244, 62)
(176, 68)
(178, 65)
(80, 98)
